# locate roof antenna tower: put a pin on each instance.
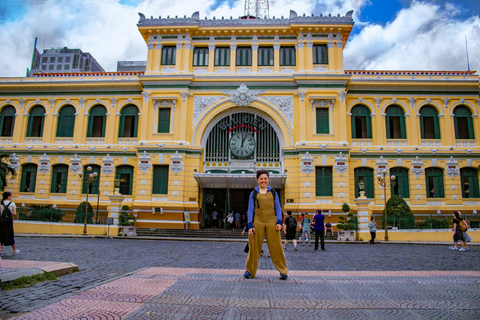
(257, 9)
(468, 60)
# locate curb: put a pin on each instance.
(58, 269)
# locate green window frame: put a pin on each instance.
(323, 120)
(395, 123)
(469, 181)
(36, 120)
(288, 56)
(128, 125)
(323, 182)
(164, 120)
(361, 123)
(7, 121)
(401, 186)
(66, 122)
(200, 57)
(59, 178)
(463, 123)
(124, 176)
(222, 56)
(434, 183)
(169, 55)
(96, 122)
(429, 123)
(160, 179)
(244, 56)
(265, 56)
(94, 186)
(366, 175)
(29, 177)
(320, 54)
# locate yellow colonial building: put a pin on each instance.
(222, 98)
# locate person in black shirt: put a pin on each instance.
(457, 232)
(290, 229)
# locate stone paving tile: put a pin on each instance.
(184, 296)
(105, 260)
(13, 265)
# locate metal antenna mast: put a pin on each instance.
(257, 9)
(466, 47)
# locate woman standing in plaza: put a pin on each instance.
(372, 225)
(264, 219)
(6, 229)
(306, 222)
(457, 231)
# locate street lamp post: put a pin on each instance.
(91, 178)
(384, 182)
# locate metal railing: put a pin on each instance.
(426, 221)
(57, 215)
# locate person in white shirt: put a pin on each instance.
(6, 229)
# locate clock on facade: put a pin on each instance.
(242, 144)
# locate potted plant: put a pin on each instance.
(347, 225)
(127, 223)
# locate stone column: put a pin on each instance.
(363, 214)
(276, 59)
(233, 58)
(115, 206)
(211, 58)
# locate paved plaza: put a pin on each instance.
(139, 279)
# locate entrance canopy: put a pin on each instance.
(226, 180)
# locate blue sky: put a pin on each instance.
(388, 34)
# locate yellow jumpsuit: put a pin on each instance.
(265, 222)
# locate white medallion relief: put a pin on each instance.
(75, 164)
(176, 163)
(201, 103)
(452, 167)
(44, 166)
(417, 167)
(340, 164)
(144, 163)
(285, 104)
(107, 166)
(381, 167)
(14, 162)
(243, 96)
(307, 166)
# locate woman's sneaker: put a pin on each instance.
(283, 277)
(247, 275)
(462, 249)
(15, 252)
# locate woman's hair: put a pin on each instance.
(372, 218)
(6, 194)
(260, 172)
(457, 215)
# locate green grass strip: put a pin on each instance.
(23, 282)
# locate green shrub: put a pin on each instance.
(126, 219)
(44, 213)
(399, 214)
(349, 221)
(431, 223)
(80, 213)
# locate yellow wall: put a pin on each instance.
(25, 227)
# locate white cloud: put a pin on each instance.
(422, 37)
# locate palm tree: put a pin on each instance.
(5, 170)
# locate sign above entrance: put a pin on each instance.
(220, 180)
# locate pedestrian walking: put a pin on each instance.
(214, 219)
(230, 221)
(264, 219)
(458, 225)
(372, 226)
(319, 228)
(290, 230)
(237, 220)
(8, 210)
(306, 222)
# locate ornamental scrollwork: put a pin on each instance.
(417, 167)
(452, 167)
(340, 164)
(44, 166)
(75, 165)
(176, 163)
(307, 165)
(144, 163)
(243, 96)
(107, 166)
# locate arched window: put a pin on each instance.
(7, 121)
(93, 187)
(401, 185)
(395, 123)
(434, 183)
(365, 175)
(59, 178)
(429, 124)
(463, 123)
(128, 122)
(96, 122)
(35, 122)
(361, 123)
(124, 177)
(66, 122)
(29, 177)
(469, 180)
